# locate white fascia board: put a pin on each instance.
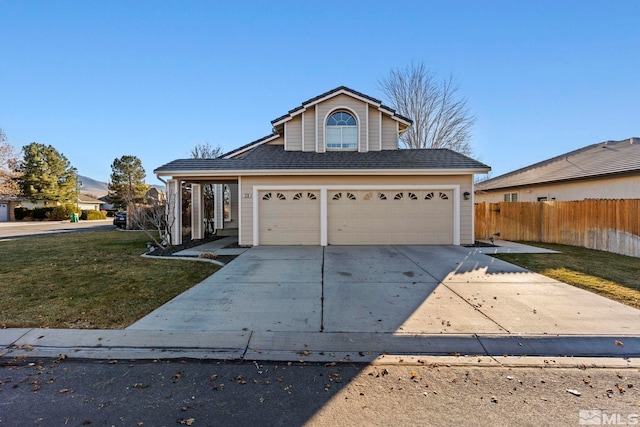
(252, 146)
(289, 117)
(203, 174)
(392, 115)
(342, 92)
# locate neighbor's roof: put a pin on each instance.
(597, 160)
(83, 198)
(274, 157)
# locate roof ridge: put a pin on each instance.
(392, 111)
(583, 162)
(544, 162)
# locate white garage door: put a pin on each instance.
(390, 217)
(288, 217)
(4, 212)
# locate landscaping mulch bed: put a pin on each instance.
(481, 245)
(193, 243)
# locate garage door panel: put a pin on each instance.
(390, 217)
(289, 217)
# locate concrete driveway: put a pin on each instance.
(411, 290)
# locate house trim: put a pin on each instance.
(323, 203)
(344, 172)
(380, 132)
(251, 146)
(303, 149)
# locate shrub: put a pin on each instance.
(61, 212)
(22, 213)
(94, 215)
(41, 213)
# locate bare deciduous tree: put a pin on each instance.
(441, 119)
(9, 174)
(206, 151)
(153, 218)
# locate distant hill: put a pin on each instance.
(98, 188)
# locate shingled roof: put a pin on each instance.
(343, 89)
(274, 157)
(597, 160)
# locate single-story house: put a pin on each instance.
(607, 170)
(331, 173)
(88, 203)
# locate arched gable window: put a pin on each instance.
(341, 132)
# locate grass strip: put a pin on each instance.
(91, 280)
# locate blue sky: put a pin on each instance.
(102, 79)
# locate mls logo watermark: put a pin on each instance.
(608, 417)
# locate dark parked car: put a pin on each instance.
(120, 220)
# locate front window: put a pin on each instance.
(342, 132)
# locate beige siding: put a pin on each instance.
(374, 129)
(310, 130)
(293, 134)
(389, 133)
(465, 181)
(234, 207)
(466, 210)
(342, 101)
(607, 188)
(277, 141)
(245, 235)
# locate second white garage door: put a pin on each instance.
(390, 217)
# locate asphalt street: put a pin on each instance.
(20, 229)
(200, 393)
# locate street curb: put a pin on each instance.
(322, 347)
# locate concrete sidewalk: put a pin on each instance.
(364, 303)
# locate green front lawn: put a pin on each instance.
(87, 280)
(611, 275)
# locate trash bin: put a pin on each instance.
(74, 217)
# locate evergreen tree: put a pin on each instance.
(47, 174)
(127, 182)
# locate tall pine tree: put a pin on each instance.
(127, 182)
(47, 174)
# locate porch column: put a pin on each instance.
(219, 206)
(197, 206)
(174, 211)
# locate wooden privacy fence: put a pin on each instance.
(607, 225)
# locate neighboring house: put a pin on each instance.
(608, 170)
(7, 206)
(87, 203)
(331, 173)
